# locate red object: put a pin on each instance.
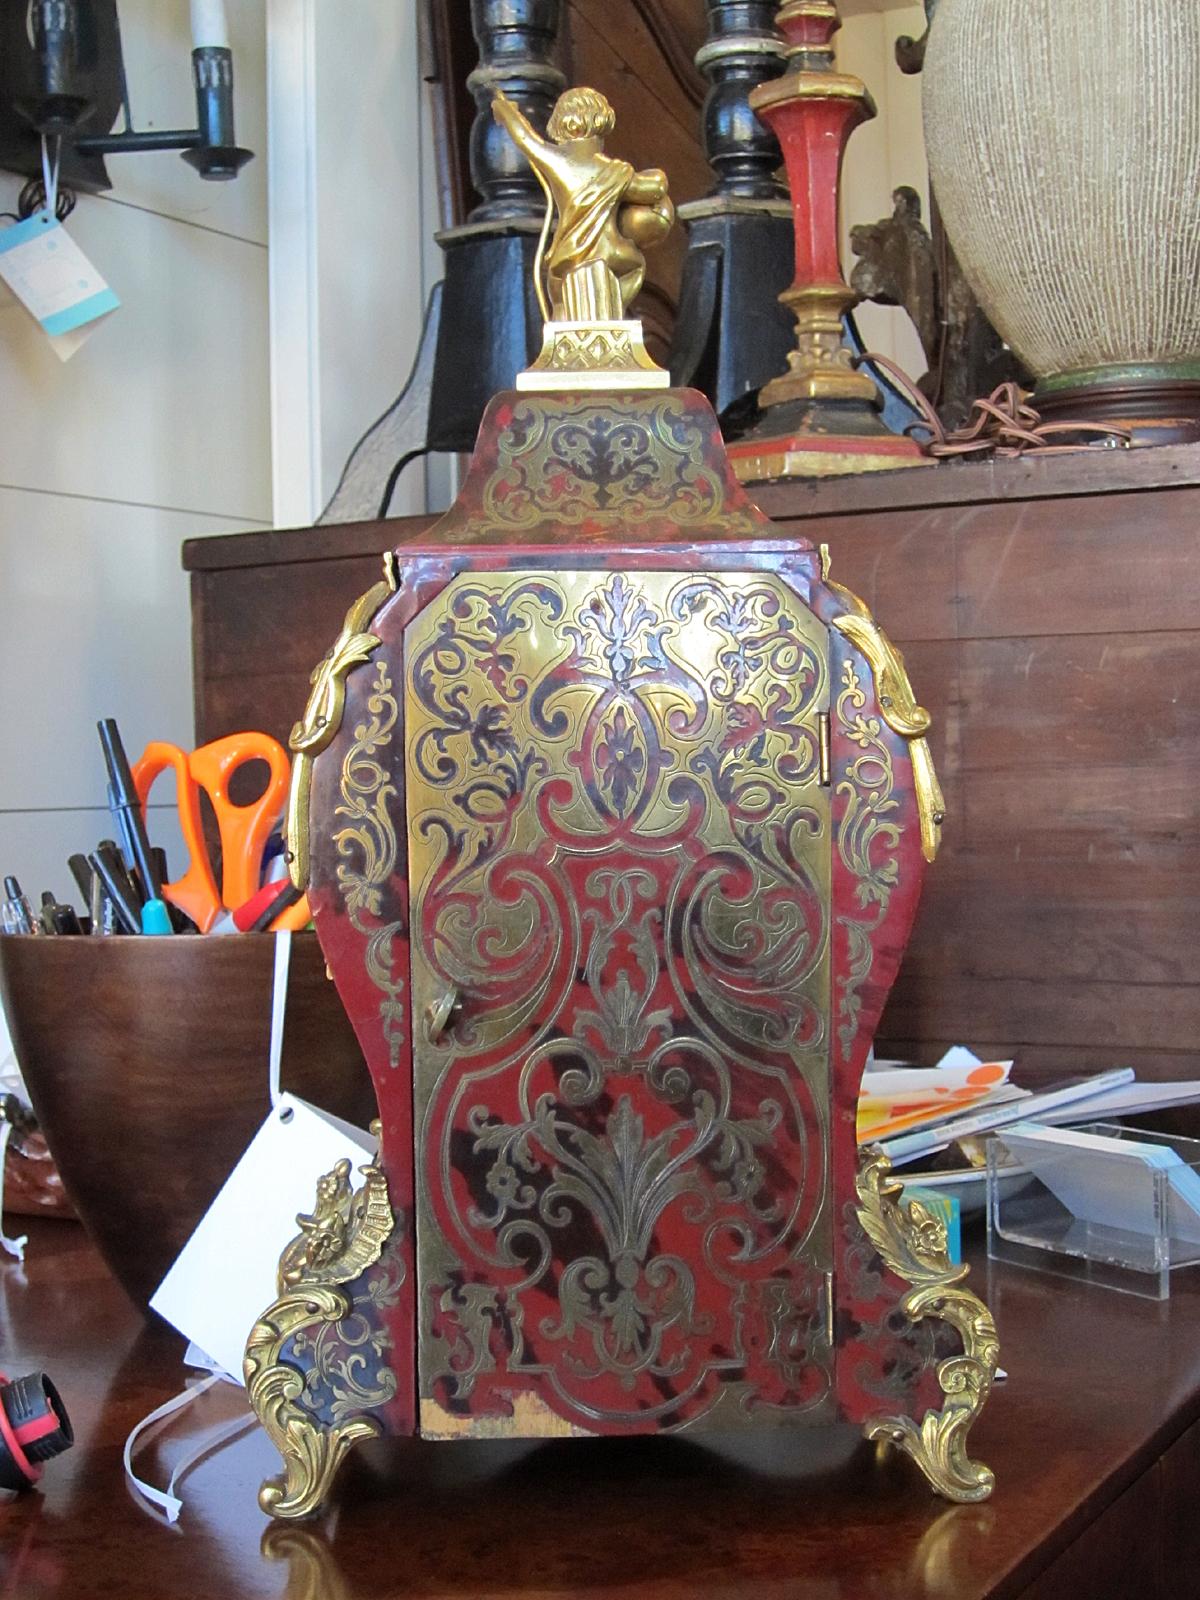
(624, 1199)
(820, 417)
(248, 913)
(15, 1440)
(813, 129)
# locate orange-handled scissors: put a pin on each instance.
(244, 829)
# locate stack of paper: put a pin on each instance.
(895, 1099)
(918, 1111)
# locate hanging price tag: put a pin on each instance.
(224, 1279)
(54, 281)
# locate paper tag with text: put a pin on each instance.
(224, 1278)
(54, 281)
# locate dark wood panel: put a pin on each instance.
(933, 667)
(1054, 1011)
(887, 500)
(1080, 700)
(278, 618)
(1038, 1065)
(270, 702)
(658, 125)
(1026, 571)
(1102, 1385)
(1117, 563)
(1118, 1557)
(1179, 1476)
(966, 483)
(904, 570)
(1079, 816)
(656, 40)
(989, 916)
(301, 546)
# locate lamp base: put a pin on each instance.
(1158, 404)
(821, 439)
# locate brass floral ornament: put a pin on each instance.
(589, 271)
(322, 717)
(339, 1240)
(912, 1244)
(343, 1235)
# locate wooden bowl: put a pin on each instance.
(146, 1061)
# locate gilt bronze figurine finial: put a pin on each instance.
(604, 212)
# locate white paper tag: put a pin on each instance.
(14, 1247)
(224, 1278)
(54, 281)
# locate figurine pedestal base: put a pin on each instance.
(595, 355)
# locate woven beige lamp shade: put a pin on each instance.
(1063, 139)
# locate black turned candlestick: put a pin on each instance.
(732, 334)
(482, 325)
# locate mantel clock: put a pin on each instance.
(612, 807)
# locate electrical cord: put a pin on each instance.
(32, 199)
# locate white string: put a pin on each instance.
(168, 1500)
(283, 956)
(50, 174)
(15, 1247)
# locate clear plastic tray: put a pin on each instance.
(1029, 1226)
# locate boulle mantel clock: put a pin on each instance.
(612, 807)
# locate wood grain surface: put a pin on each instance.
(1094, 1439)
(146, 1060)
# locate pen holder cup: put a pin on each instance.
(147, 1064)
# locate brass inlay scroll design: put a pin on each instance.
(866, 840)
(897, 703)
(322, 717)
(340, 1240)
(912, 1244)
(584, 458)
(619, 869)
(369, 850)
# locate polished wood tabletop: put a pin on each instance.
(1102, 1389)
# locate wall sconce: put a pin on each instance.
(62, 75)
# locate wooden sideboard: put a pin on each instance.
(1048, 612)
(1094, 1438)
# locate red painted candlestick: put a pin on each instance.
(821, 416)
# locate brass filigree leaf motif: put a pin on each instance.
(912, 1243)
(316, 1358)
(866, 841)
(585, 457)
(323, 714)
(368, 851)
(619, 868)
